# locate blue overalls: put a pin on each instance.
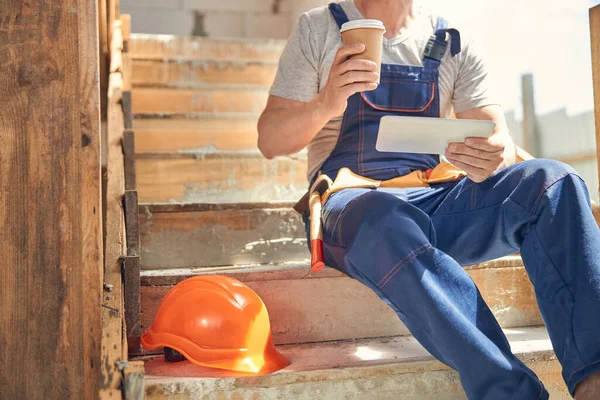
(408, 245)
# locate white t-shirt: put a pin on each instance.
(305, 63)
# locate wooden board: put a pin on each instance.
(225, 98)
(50, 223)
(204, 132)
(219, 177)
(595, 40)
(220, 236)
(296, 317)
(159, 72)
(114, 347)
(158, 47)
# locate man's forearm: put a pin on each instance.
(283, 131)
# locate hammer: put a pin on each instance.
(316, 232)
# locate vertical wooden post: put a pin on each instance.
(50, 207)
(530, 129)
(595, 39)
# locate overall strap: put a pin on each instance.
(338, 13)
(436, 47)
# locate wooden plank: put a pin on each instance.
(130, 203)
(211, 132)
(50, 232)
(158, 47)
(131, 268)
(116, 48)
(133, 375)
(114, 348)
(595, 42)
(159, 72)
(221, 237)
(129, 155)
(221, 98)
(126, 27)
(201, 178)
(298, 318)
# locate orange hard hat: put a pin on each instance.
(216, 321)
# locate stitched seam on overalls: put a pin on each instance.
(582, 368)
(361, 137)
(405, 257)
(545, 188)
(380, 108)
(399, 267)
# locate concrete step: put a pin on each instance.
(314, 307)
(195, 132)
(197, 234)
(162, 72)
(188, 98)
(374, 369)
(219, 177)
(159, 47)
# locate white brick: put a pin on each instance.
(237, 5)
(224, 24)
(162, 4)
(264, 25)
(160, 21)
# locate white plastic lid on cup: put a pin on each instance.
(362, 23)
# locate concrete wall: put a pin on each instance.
(222, 18)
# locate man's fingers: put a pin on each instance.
(349, 90)
(346, 51)
(484, 144)
(357, 65)
(356, 77)
(470, 160)
(476, 174)
(462, 148)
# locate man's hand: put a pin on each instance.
(479, 157)
(347, 77)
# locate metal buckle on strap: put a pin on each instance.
(435, 49)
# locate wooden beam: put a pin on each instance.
(50, 223)
(595, 40)
(114, 347)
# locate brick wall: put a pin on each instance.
(217, 18)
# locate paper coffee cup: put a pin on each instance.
(368, 32)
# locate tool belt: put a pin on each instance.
(324, 187)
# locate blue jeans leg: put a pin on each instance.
(540, 207)
(390, 245)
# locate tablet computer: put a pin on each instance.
(427, 135)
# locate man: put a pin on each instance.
(408, 243)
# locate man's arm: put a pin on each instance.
(287, 126)
(481, 157)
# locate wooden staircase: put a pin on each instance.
(209, 203)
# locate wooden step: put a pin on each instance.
(315, 307)
(211, 98)
(374, 369)
(219, 177)
(172, 132)
(197, 235)
(162, 72)
(153, 47)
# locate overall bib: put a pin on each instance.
(408, 245)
